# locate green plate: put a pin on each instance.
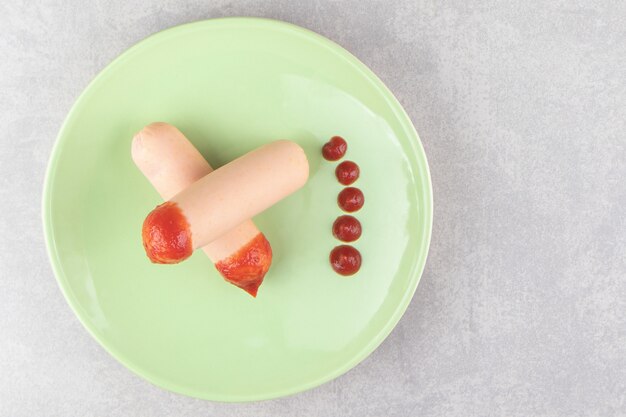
(231, 85)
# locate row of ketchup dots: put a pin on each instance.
(345, 259)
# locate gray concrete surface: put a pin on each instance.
(521, 106)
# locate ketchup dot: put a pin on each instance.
(345, 260)
(334, 149)
(350, 199)
(347, 228)
(347, 172)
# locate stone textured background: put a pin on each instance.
(521, 107)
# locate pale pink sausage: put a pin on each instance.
(171, 163)
(241, 189)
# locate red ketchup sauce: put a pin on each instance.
(166, 235)
(347, 228)
(347, 172)
(350, 199)
(248, 266)
(335, 148)
(345, 260)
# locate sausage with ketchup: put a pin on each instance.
(213, 211)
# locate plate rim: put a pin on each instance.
(417, 268)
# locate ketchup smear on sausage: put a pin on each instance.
(166, 235)
(248, 266)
